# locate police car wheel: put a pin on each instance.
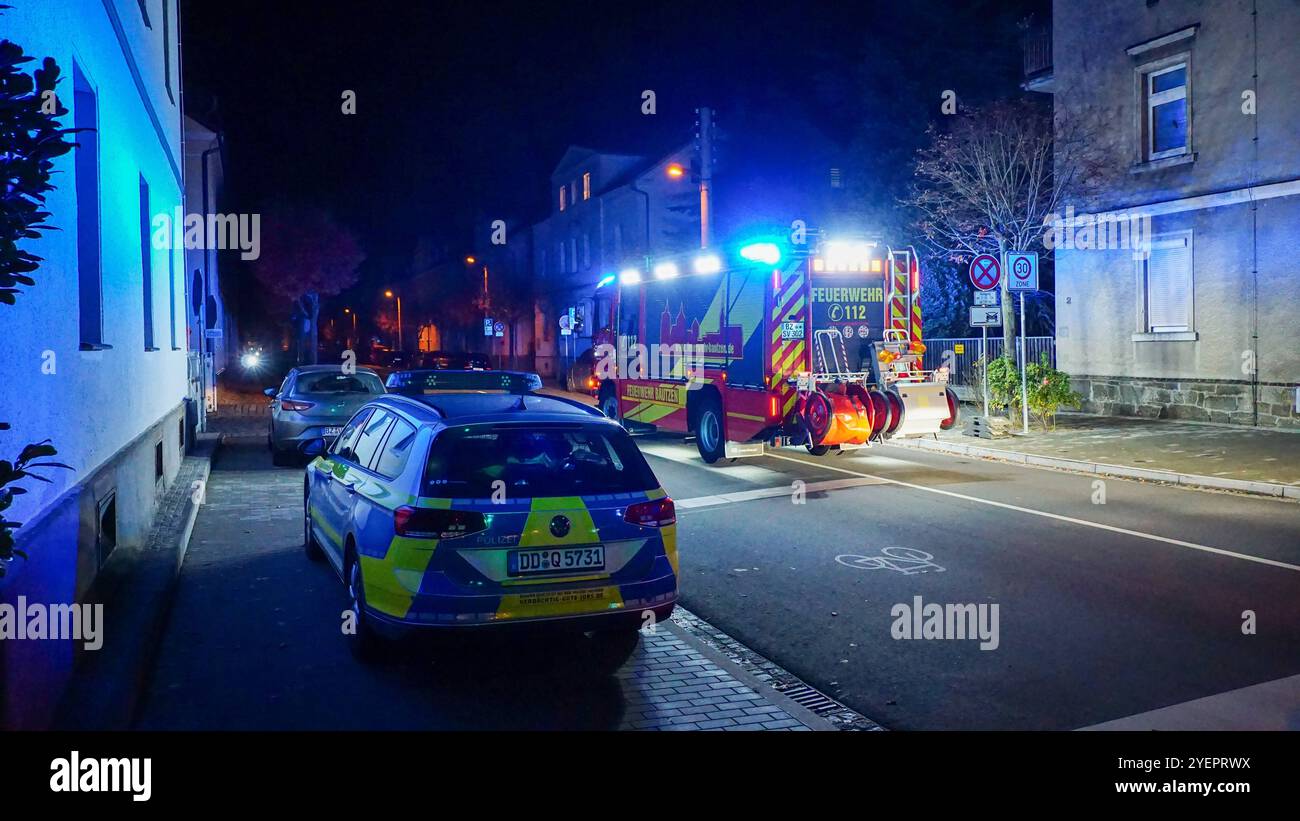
(610, 649)
(365, 644)
(309, 544)
(709, 433)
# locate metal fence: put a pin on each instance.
(960, 355)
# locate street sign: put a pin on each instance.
(499, 328)
(487, 326)
(986, 299)
(959, 347)
(985, 272)
(565, 322)
(985, 317)
(1024, 271)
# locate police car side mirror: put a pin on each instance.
(269, 392)
(312, 447)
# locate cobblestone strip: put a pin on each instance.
(769, 673)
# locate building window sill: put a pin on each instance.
(1167, 336)
(1164, 162)
(94, 346)
(150, 350)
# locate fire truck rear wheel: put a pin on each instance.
(818, 450)
(609, 406)
(709, 432)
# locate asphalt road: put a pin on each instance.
(1105, 610)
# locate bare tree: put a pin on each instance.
(991, 182)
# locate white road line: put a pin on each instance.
(1084, 522)
(696, 502)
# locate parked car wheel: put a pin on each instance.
(610, 649)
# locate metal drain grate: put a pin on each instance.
(810, 699)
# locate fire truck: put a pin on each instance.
(817, 347)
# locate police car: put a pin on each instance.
(465, 500)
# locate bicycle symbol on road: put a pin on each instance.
(906, 560)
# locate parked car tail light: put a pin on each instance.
(291, 405)
(428, 523)
(658, 513)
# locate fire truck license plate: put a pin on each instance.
(792, 330)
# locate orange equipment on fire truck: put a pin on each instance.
(774, 347)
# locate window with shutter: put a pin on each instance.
(1169, 284)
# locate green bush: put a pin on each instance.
(1049, 390)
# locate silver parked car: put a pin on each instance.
(315, 401)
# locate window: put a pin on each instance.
(1167, 284)
(586, 251)
(555, 461)
(372, 433)
(158, 461)
(562, 269)
(167, 47)
(342, 447)
(338, 382)
(564, 196)
(146, 265)
(618, 243)
(392, 459)
(573, 255)
(85, 115)
(586, 185)
(573, 191)
(1166, 111)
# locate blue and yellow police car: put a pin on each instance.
(466, 499)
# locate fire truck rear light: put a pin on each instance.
(656, 513)
(431, 523)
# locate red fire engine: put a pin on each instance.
(820, 349)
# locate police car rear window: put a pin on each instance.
(521, 462)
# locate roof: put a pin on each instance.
(330, 368)
(466, 408)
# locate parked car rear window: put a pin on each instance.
(339, 383)
(562, 460)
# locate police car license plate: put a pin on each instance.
(555, 560)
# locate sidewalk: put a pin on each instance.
(1250, 460)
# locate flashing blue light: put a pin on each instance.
(764, 252)
(708, 264)
(605, 280)
(629, 276)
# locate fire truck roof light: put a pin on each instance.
(848, 255)
(707, 264)
(629, 276)
(666, 270)
(765, 252)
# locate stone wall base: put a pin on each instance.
(1190, 400)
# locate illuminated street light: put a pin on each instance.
(675, 170)
(629, 276)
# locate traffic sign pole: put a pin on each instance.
(1024, 368)
(984, 357)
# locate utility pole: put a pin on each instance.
(705, 146)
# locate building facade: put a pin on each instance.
(1193, 109)
(607, 211)
(96, 350)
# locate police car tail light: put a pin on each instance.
(657, 513)
(429, 523)
(290, 405)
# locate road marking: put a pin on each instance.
(768, 493)
(1057, 516)
(1267, 706)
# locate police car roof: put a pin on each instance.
(479, 407)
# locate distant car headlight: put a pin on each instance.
(250, 360)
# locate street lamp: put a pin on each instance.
(352, 340)
(672, 171)
(389, 294)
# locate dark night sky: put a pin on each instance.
(464, 108)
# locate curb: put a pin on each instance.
(1191, 480)
(105, 690)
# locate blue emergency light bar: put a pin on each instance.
(418, 383)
